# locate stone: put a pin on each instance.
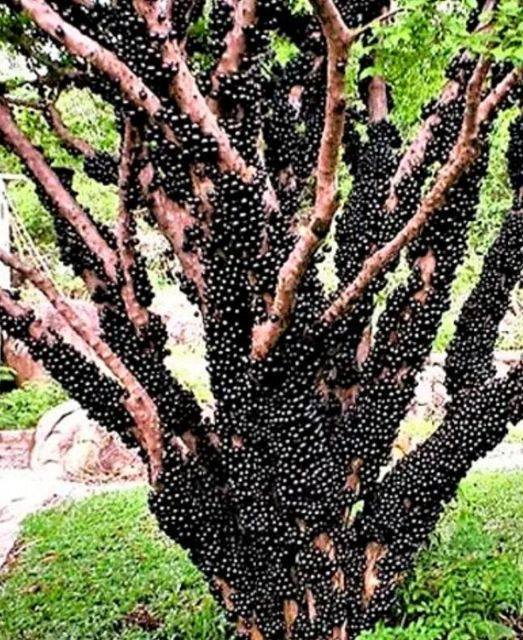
(70, 446)
(14, 354)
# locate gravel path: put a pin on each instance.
(506, 456)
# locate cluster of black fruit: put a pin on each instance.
(410, 500)
(144, 354)
(119, 28)
(470, 357)
(102, 167)
(292, 126)
(278, 472)
(281, 452)
(362, 227)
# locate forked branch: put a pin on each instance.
(184, 89)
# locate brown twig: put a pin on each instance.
(384, 17)
(72, 142)
(462, 155)
(65, 204)
(499, 93)
(332, 23)
(139, 404)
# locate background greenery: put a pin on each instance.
(22, 408)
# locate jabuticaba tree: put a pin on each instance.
(285, 496)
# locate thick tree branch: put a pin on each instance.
(469, 360)
(82, 377)
(140, 406)
(244, 14)
(332, 23)
(499, 93)
(173, 221)
(326, 199)
(462, 155)
(65, 204)
(406, 506)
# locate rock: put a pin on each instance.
(70, 446)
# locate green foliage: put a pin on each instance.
(6, 374)
(90, 118)
(33, 214)
(85, 567)
(496, 192)
(101, 200)
(23, 408)
(503, 39)
(188, 365)
(301, 6)
(414, 51)
(284, 49)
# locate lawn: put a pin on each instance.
(100, 570)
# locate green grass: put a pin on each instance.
(85, 567)
(22, 408)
